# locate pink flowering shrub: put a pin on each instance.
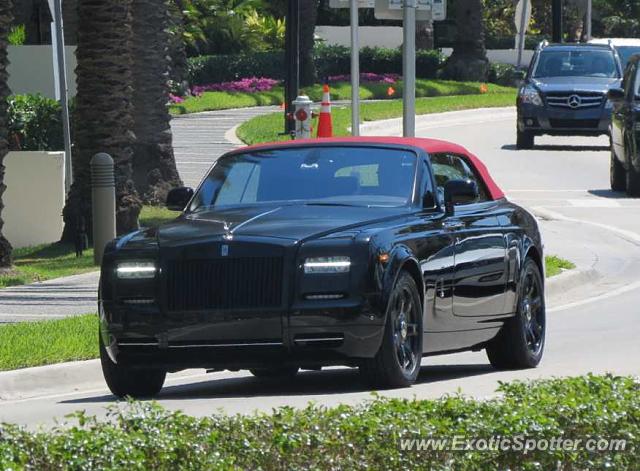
(246, 85)
(367, 77)
(174, 99)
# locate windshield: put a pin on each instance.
(585, 63)
(358, 176)
(626, 52)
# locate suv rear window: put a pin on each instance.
(567, 63)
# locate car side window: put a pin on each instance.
(454, 167)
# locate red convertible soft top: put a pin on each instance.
(431, 146)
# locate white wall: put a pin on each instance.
(372, 36)
(391, 36)
(34, 198)
(31, 70)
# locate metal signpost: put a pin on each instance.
(409, 11)
(292, 65)
(522, 18)
(60, 74)
(354, 6)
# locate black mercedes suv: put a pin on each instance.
(565, 91)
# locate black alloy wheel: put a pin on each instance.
(133, 382)
(397, 363)
(520, 342)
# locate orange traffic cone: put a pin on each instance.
(325, 123)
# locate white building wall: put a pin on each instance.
(31, 70)
(34, 198)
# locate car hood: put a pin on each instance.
(575, 84)
(289, 222)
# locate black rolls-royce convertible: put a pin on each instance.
(369, 252)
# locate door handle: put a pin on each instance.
(452, 225)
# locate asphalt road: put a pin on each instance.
(593, 329)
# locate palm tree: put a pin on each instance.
(469, 58)
(154, 166)
(308, 18)
(6, 17)
(103, 114)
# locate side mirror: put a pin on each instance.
(615, 95)
(178, 198)
(459, 192)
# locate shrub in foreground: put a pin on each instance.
(146, 436)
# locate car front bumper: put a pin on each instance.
(553, 121)
(332, 334)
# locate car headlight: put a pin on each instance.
(327, 265)
(530, 95)
(136, 270)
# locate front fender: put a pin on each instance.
(400, 258)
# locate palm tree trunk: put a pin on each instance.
(6, 17)
(103, 115)
(424, 35)
(154, 165)
(469, 58)
(308, 18)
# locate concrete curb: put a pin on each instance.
(49, 380)
(557, 286)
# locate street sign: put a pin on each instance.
(426, 10)
(347, 3)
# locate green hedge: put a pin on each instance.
(330, 60)
(35, 123)
(368, 436)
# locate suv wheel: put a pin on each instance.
(525, 140)
(618, 173)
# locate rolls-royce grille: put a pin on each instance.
(575, 100)
(225, 283)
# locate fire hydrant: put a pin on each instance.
(303, 117)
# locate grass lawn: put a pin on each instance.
(210, 101)
(45, 262)
(155, 215)
(556, 265)
(42, 343)
(266, 128)
(46, 342)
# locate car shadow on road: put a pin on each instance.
(306, 383)
(563, 148)
(606, 193)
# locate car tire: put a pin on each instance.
(520, 342)
(633, 181)
(277, 372)
(124, 381)
(617, 173)
(524, 139)
(397, 363)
